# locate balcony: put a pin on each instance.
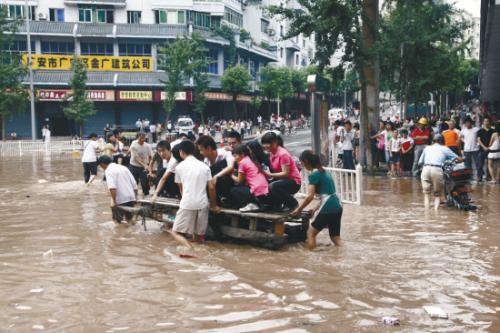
(115, 3)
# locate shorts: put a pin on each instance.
(330, 220)
(191, 222)
(432, 180)
(395, 158)
(119, 215)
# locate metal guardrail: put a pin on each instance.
(348, 183)
(20, 147)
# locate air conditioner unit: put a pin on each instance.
(42, 16)
(271, 32)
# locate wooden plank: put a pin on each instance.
(235, 221)
(246, 234)
(253, 224)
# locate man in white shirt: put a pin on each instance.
(468, 136)
(89, 158)
(46, 136)
(140, 156)
(346, 138)
(193, 177)
(122, 188)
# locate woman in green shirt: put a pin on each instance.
(329, 211)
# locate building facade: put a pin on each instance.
(489, 55)
(119, 41)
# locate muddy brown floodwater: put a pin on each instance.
(65, 267)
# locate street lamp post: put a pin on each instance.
(30, 68)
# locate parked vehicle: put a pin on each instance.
(184, 125)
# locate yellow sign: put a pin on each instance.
(93, 63)
(135, 95)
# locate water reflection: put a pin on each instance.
(66, 267)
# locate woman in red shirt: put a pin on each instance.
(284, 172)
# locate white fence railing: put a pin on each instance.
(348, 184)
(20, 147)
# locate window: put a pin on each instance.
(297, 59)
(56, 15)
(252, 69)
(264, 26)
(99, 14)
(163, 16)
(200, 19)
(85, 14)
(133, 17)
(213, 57)
(181, 17)
(58, 47)
(281, 52)
(103, 49)
(105, 15)
(233, 17)
(17, 11)
(133, 49)
(281, 31)
(19, 46)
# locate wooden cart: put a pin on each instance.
(267, 229)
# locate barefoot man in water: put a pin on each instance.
(122, 187)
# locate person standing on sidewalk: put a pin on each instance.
(471, 148)
(347, 139)
(421, 136)
(483, 139)
(140, 155)
(89, 159)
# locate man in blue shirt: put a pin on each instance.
(433, 158)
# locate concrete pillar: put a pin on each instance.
(38, 46)
(116, 50)
(78, 49)
(154, 54)
(220, 62)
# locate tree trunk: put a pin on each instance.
(235, 106)
(370, 77)
(3, 128)
(81, 130)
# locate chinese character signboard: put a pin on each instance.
(60, 94)
(93, 63)
(135, 96)
(180, 96)
(218, 96)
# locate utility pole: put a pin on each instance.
(30, 67)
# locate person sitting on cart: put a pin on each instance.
(432, 177)
(328, 213)
(165, 185)
(284, 172)
(221, 164)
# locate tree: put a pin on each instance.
(275, 82)
(185, 60)
(421, 49)
(174, 59)
(235, 81)
(78, 108)
(13, 95)
(298, 80)
(197, 68)
(231, 50)
(349, 27)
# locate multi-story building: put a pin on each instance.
(120, 39)
(489, 55)
(472, 35)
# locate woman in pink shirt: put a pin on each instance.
(253, 189)
(284, 172)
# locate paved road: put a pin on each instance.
(298, 142)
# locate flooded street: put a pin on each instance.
(65, 266)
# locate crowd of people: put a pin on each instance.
(260, 175)
(398, 145)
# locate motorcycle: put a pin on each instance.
(457, 185)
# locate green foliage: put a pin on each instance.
(244, 35)
(235, 81)
(421, 49)
(78, 107)
(276, 81)
(298, 79)
(256, 102)
(183, 59)
(231, 50)
(13, 95)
